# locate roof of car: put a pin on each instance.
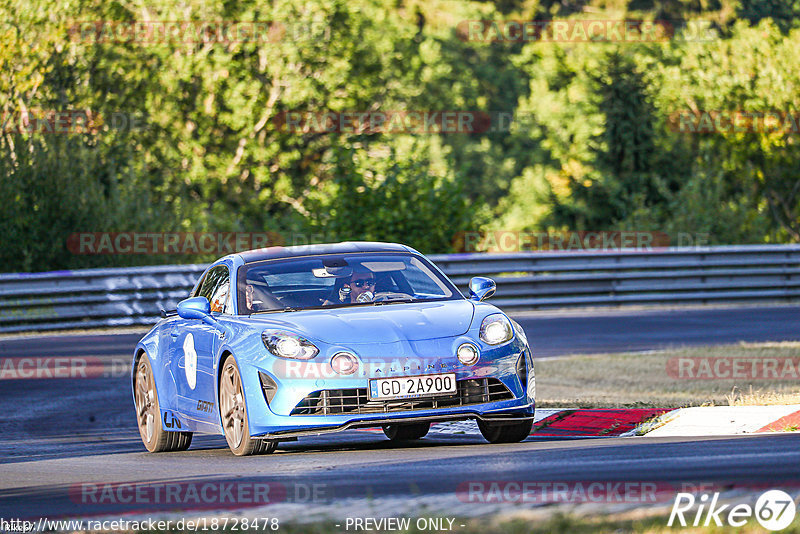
(272, 253)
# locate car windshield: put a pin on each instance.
(339, 280)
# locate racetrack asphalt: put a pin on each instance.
(58, 434)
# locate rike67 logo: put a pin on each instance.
(774, 510)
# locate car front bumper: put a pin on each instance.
(280, 416)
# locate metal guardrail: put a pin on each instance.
(530, 280)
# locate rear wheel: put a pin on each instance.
(148, 414)
(504, 433)
(406, 432)
(234, 414)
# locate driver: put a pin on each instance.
(257, 297)
(360, 285)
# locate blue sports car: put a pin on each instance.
(278, 343)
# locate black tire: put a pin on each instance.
(513, 433)
(233, 412)
(148, 413)
(406, 432)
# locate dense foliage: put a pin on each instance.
(190, 135)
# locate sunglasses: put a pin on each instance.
(365, 282)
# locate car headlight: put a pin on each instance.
(468, 354)
(344, 363)
(496, 329)
(288, 345)
(519, 331)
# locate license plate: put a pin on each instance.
(405, 387)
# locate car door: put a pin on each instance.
(194, 344)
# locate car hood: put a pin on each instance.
(378, 324)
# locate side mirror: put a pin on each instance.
(481, 288)
(196, 308)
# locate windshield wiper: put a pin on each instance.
(276, 310)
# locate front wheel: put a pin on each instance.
(234, 414)
(500, 433)
(148, 414)
(406, 432)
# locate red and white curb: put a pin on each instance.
(722, 421)
(581, 423)
(699, 421)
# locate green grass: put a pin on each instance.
(641, 380)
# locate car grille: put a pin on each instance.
(356, 400)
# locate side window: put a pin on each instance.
(196, 292)
(219, 301)
(216, 287)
